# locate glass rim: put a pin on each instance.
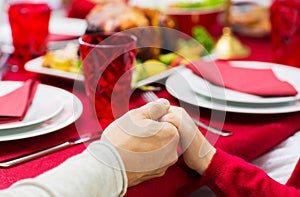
(17, 5)
(105, 45)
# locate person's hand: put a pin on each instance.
(198, 152)
(147, 147)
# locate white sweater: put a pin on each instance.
(98, 171)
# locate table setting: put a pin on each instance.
(247, 106)
(37, 121)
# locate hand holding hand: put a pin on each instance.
(147, 147)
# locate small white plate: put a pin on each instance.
(35, 65)
(72, 109)
(44, 106)
(180, 88)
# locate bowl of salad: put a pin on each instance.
(204, 13)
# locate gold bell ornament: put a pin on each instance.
(228, 46)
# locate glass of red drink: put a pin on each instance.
(107, 63)
(285, 33)
(29, 24)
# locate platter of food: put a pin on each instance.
(59, 63)
(36, 65)
(167, 49)
(65, 63)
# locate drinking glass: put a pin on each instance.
(29, 24)
(107, 63)
(285, 33)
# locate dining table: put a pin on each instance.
(253, 134)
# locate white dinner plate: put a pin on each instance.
(44, 105)
(72, 109)
(35, 65)
(180, 88)
(285, 73)
(67, 26)
(57, 25)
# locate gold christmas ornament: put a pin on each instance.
(228, 46)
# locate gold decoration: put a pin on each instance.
(228, 46)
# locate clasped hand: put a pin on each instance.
(148, 139)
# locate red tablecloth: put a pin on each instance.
(178, 180)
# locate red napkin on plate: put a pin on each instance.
(80, 8)
(14, 105)
(261, 82)
(59, 37)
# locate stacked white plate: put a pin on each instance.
(51, 109)
(190, 88)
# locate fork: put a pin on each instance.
(3, 60)
(150, 96)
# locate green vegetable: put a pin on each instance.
(201, 35)
(167, 58)
(137, 62)
(202, 4)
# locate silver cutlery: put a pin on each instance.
(3, 60)
(5, 50)
(151, 96)
(28, 157)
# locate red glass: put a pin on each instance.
(285, 34)
(29, 23)
(107, 62)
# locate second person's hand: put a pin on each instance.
(197, 151)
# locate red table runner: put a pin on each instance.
(249, 131)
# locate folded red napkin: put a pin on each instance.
(261, 82)
(80, 8)
(15, 104)
(59, 37)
